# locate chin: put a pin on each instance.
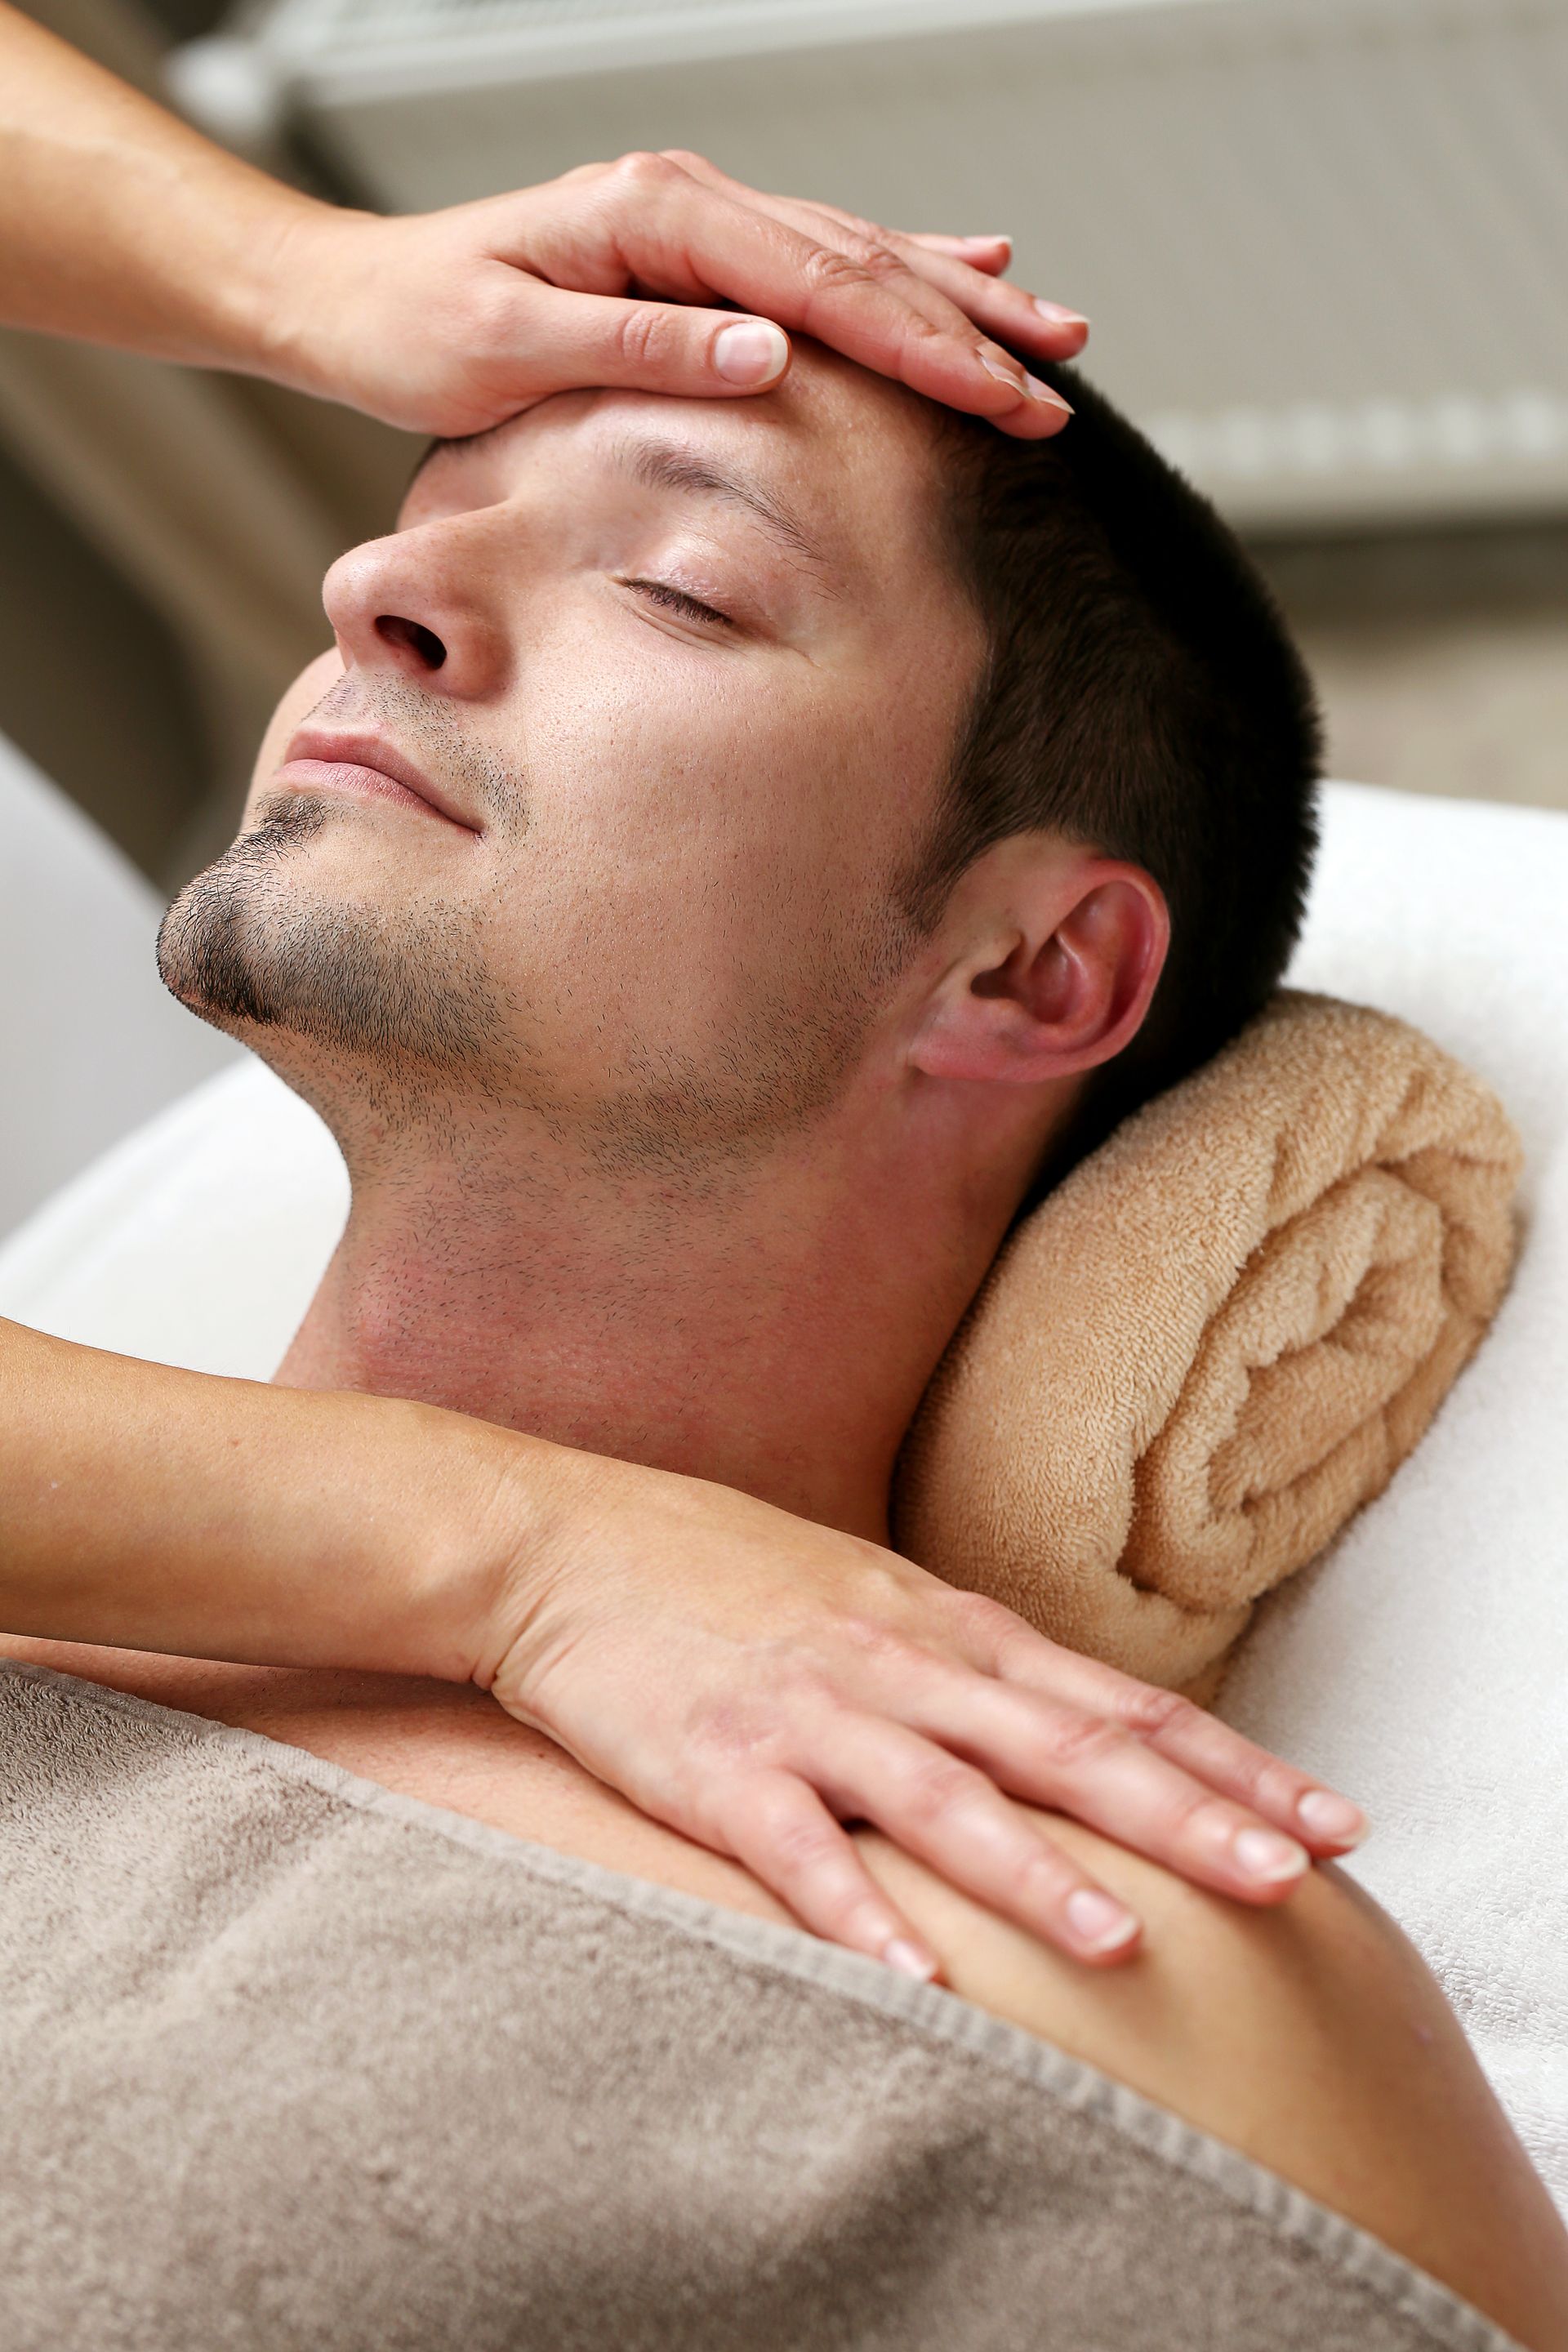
(255, 946)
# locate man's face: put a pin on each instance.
(683, 679)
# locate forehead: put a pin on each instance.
(845, 460)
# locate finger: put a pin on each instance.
(1323, 1819)
(953, 1816)
(844, 232)
(564, 341)
(990, 254)
(1096, 1769)
(964, 278)
(971, 281)
(951, 263)
(683, 240)
(784, 1833)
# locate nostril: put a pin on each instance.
(422, 642)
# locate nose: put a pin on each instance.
(413, 606)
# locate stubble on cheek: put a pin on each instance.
(406, 1013)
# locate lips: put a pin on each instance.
(369, 768)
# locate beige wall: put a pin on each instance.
(1442, 658)
(93, 686)
(162, 538)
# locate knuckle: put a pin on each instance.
(879, 1644)
(729, 1730)
(789, 1701)
(1197, 1817)
(1266, 1782)
(491, 312)
(798, 1667)
(984, 1622)
(1070, 1739)
(880, 261)
(863, 1921)
(881, 1581)
(685, 159)
(934, 1788)
(797, 1841)
(641, 171)
(828, 270)
(1150, 1712)
(646, 336)
(1045, 1872)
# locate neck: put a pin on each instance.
(770, 1328)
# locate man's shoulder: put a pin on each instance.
(1309, 2034)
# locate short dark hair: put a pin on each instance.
(1141, 693)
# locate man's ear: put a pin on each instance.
(1061, 952)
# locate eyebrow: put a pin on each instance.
(670, 465)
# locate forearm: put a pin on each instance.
(143, 1507)
(120, 224)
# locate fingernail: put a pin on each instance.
(908, 1958)
(1100, 1919)
(1264, 1853)
(1057, 315)
(752, 353)
(1042, 392)
(1327, 1816)
(961, 245)
(1005, 370)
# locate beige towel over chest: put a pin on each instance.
(293, 2065)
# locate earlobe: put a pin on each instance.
(1053, 999)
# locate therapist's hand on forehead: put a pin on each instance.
(650, 1609)
(454, 321)
(658, 272)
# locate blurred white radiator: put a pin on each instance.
(1324, 242)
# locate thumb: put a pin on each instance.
(578, 341)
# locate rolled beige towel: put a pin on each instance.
(1216, 1339)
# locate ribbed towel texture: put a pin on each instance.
(291, 2061)
(1216, 1340)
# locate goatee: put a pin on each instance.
(245, 949)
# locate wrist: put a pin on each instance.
(552, 1513)
(282, 304)
(501, 1514)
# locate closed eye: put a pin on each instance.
(676, 600)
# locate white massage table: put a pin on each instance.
(1422, 1664)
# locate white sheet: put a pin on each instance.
(90, 1042)
(1421, 1665)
